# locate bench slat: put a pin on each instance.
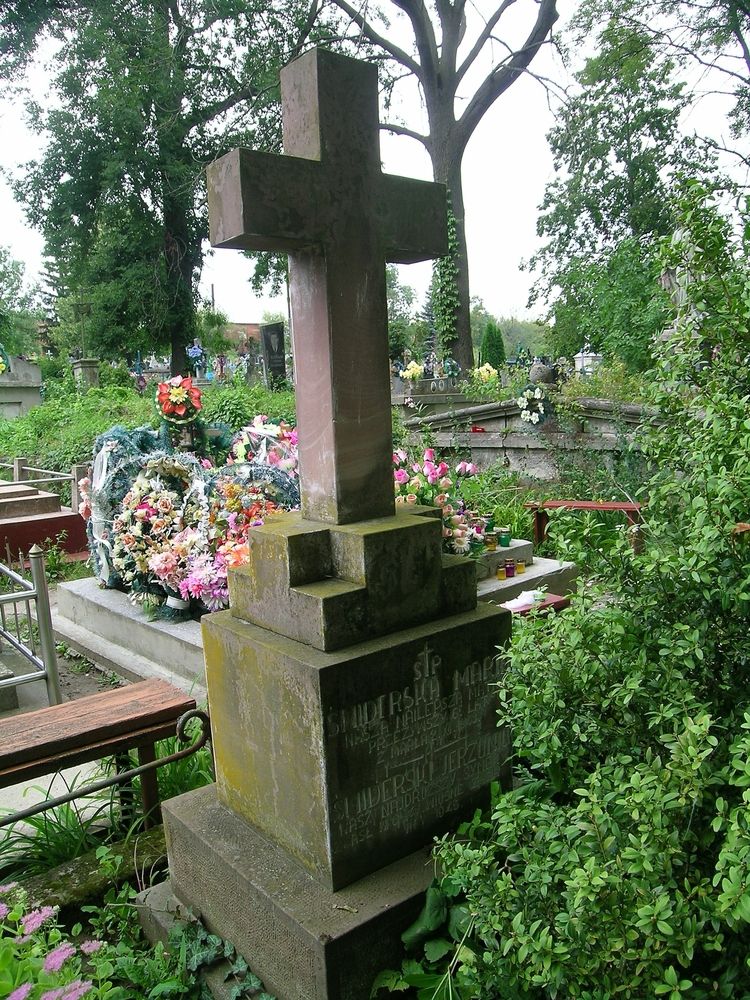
(26, 770)
(51, 732)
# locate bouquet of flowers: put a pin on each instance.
(197, 356)
(413, 372)
(4, 361)
(179, 401)
(532, 404)
(268, 443)
(429, 482)
(485, 374)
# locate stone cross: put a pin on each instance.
(329, 206)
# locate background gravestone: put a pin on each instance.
(20, 388)
(272, 345)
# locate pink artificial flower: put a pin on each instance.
(445, 483)
(443, 468)
(401, 476)
(447, 510)
(411, 498)
(441, 499)
(467, 469)
(400, 499)
(415, 483)
(206, 463)
(429, 455)
(90, 947)
(416, 467)
(432, 477)
(21, 993)
(58, 956)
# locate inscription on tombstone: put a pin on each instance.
(272, 345)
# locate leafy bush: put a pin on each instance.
(237, 404)
(619, 865)
(492, 350)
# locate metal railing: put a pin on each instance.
(17, 628)
(21, 473)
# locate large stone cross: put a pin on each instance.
(340, 218)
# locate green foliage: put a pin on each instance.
(611, 381)
(17, 324)
(492, 351)
(618, 151)
(618, 865)
(405, 331)
(444, 291)
(237, 404)
(61, 432)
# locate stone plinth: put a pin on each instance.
(20, 388)
(352, 759)
(86, 372)
(302, 940)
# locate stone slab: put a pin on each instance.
(488, 562)
(352, 759)
(304, 942)
(13, 490)
(28, 505)
(175, 648)
(9, 694)
(558, 577)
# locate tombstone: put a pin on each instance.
(20, 388)
(86, 372)
(272, 346)
(350, 684)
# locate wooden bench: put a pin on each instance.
(107, 724)
(632, 512)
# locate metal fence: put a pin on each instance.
(22, 472)
(22, 601)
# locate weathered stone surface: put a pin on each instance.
(28, 504)
(340, 218)
(352, 759)
(336, 586)
(303, 941)
(9, 694)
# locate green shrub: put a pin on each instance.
(619, 865)
(492, 349)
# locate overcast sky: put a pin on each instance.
(506, 167)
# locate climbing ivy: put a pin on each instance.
(444, 290)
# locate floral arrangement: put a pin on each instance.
(431, 483)
(84, 493)
(451, 367)
(532, 404)
(267, 442)
(197, 356)
(179, 401)
(486, 373)
(413, 371)
(4, 361)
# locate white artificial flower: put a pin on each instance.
(535, 418)
(538, 393)
(521, 401)
(541, 408)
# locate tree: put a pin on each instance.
(400, 312)
(617, 149)
(711, 36)
(492, 351)
(147, 93)
(17, 322)
(437, 34)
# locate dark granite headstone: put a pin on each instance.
(272, 345)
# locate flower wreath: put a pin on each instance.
(534, 405)
(4, 361)
(178, 400)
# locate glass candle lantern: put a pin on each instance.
(520, 566)
(504, 536)
(500, 571)
(510, 568)
(490, 540)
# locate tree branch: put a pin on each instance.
(212, 111)
(424, 35)
(377, 39)
(482, 38)
(502, 77)
(403, 130)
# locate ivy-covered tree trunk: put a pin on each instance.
(180, 258)
(457, 298)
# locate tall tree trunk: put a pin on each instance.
(179, 255)
(447, 170)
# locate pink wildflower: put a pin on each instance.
(77, 989)
(58, 956)
(4, 910)
(34, 920)
(90, 947)
(55, 994)
(7, 887)
(21, 993)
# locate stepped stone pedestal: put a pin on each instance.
(353, 719)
